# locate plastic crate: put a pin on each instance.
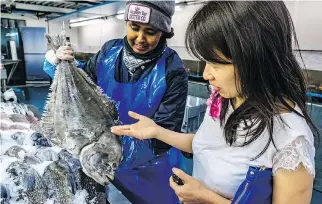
(315, 112)
(193, 117)
(194, 114)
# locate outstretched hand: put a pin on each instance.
(145, 128)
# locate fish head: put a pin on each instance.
(100, 161)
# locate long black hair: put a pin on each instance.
(257, 37)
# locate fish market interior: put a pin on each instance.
(57, 139)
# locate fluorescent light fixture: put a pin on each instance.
(11, 34)
(178, 8)
(83, 19)
(87, 22)
(120, 16)
(75, 20)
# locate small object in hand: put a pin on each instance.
(177, 180)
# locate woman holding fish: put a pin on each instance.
(140, 73)
(255, 144)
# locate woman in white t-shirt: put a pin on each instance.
(256, 115)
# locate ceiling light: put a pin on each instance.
(87, 22)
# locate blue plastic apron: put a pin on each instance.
(142, 176)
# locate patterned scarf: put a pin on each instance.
(132, 63)
(134, 60)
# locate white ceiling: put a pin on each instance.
(62, 10)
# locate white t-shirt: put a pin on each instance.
(223, 168)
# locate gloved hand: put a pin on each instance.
(63, 53)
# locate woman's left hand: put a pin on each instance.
(192, 191)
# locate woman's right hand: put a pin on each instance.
(145, 128)
(65, 53)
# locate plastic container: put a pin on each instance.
(193, 117)
(194, 114)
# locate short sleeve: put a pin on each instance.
(299, 151)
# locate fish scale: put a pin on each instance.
(56, 181)
(31, 185)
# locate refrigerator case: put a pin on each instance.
(11, 49)
(34, 45)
